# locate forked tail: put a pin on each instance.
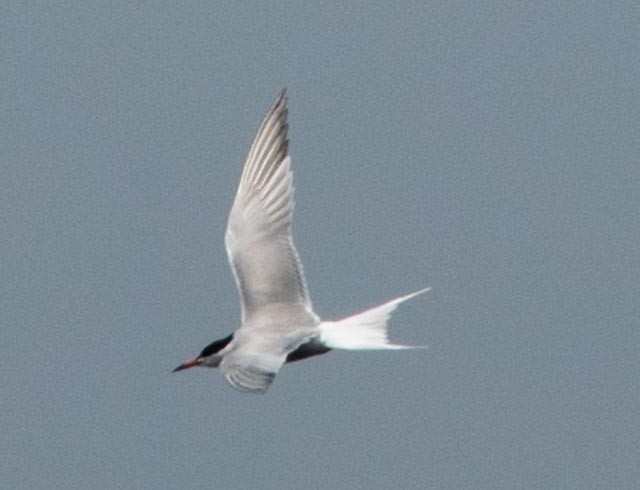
(366, 330)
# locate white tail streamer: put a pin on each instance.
(366, 330)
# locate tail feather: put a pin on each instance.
(366, 330)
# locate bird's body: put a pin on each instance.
(278, 321)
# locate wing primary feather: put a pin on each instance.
(272, 132)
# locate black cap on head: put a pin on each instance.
(216, 346)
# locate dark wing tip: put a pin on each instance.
(280, 104)
(276, 116)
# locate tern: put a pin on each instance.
(278, 321)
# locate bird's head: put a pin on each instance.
(209, 357)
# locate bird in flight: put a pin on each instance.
(278, 321)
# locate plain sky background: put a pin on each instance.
(489, 150)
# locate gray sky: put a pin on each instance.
(490, 152)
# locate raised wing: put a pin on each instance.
(263, 258)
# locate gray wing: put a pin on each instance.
(251, 372)
(255, 357)
(264, 261)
